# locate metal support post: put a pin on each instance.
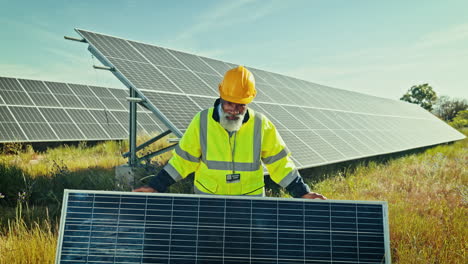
(132, 161)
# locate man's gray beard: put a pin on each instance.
(230, 125)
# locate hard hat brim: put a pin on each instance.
(236, 100)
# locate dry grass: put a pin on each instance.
(22, 243)
(106, 155)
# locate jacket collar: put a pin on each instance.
(215, 115)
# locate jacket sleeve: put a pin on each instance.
(277, 159)
(185, 158)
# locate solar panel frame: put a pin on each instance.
(302, 214)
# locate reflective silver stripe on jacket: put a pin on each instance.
(198, 191)
(227, 165)
(283, 153)
(185, 155)
(289, 178)
(172, 172)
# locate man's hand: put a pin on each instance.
(313, 195)
(145, 189)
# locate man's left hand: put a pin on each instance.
(313, 195)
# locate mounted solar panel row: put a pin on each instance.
(37, 111)
(116, 227)
(320, 124)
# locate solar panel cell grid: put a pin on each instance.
(10, 131)
(302, 152)
(314, 141)
(113, 227)
(219, 66)
(44, 99)
(194, 63)
(9, 84)
(5, 115)
(284, 117)
(55, 115)
(33, 86)
(204, 102)
(144, 76)
(81, 116)
(117, 48)
(64, 95)
(157, 56)
(212, 81)
(67, 131)
(38, 131)
(187, 81)
(324, 117)
(106, 97)
(338, 143)
(179, 109)
(86, 96)
(351, 138)
(15, 98)
(39, 122)
(27, 114)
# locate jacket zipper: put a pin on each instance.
(233, 151)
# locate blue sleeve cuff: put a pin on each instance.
(297, 188)
(161, 181)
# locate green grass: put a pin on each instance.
(427, 194)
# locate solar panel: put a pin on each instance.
(41, 111)
(320, 124)
(122, 227)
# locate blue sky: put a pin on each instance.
(375, 47)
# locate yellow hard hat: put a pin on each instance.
(238, 86)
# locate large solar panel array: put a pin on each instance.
(41, 111)
(320, 124)
(118, 227)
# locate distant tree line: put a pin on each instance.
(452, 110)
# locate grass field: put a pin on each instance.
(427, 195)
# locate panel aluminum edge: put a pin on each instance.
(63, 215)
(226, 196)
(386, 233)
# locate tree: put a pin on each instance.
(422, 95)
(447, 108)
(461, 120)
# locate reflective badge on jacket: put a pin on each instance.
(232, 178)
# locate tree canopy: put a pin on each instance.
(422, 95)
(447, 108)
(461, 120)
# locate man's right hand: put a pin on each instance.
(145, 189)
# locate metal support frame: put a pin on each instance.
(132, 161)
(136, 97)
(156, 153)
(147, 143)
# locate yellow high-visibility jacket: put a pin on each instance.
(231, 164)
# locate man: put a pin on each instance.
(226, 144)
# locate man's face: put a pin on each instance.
(234, 111)
(232, 115)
